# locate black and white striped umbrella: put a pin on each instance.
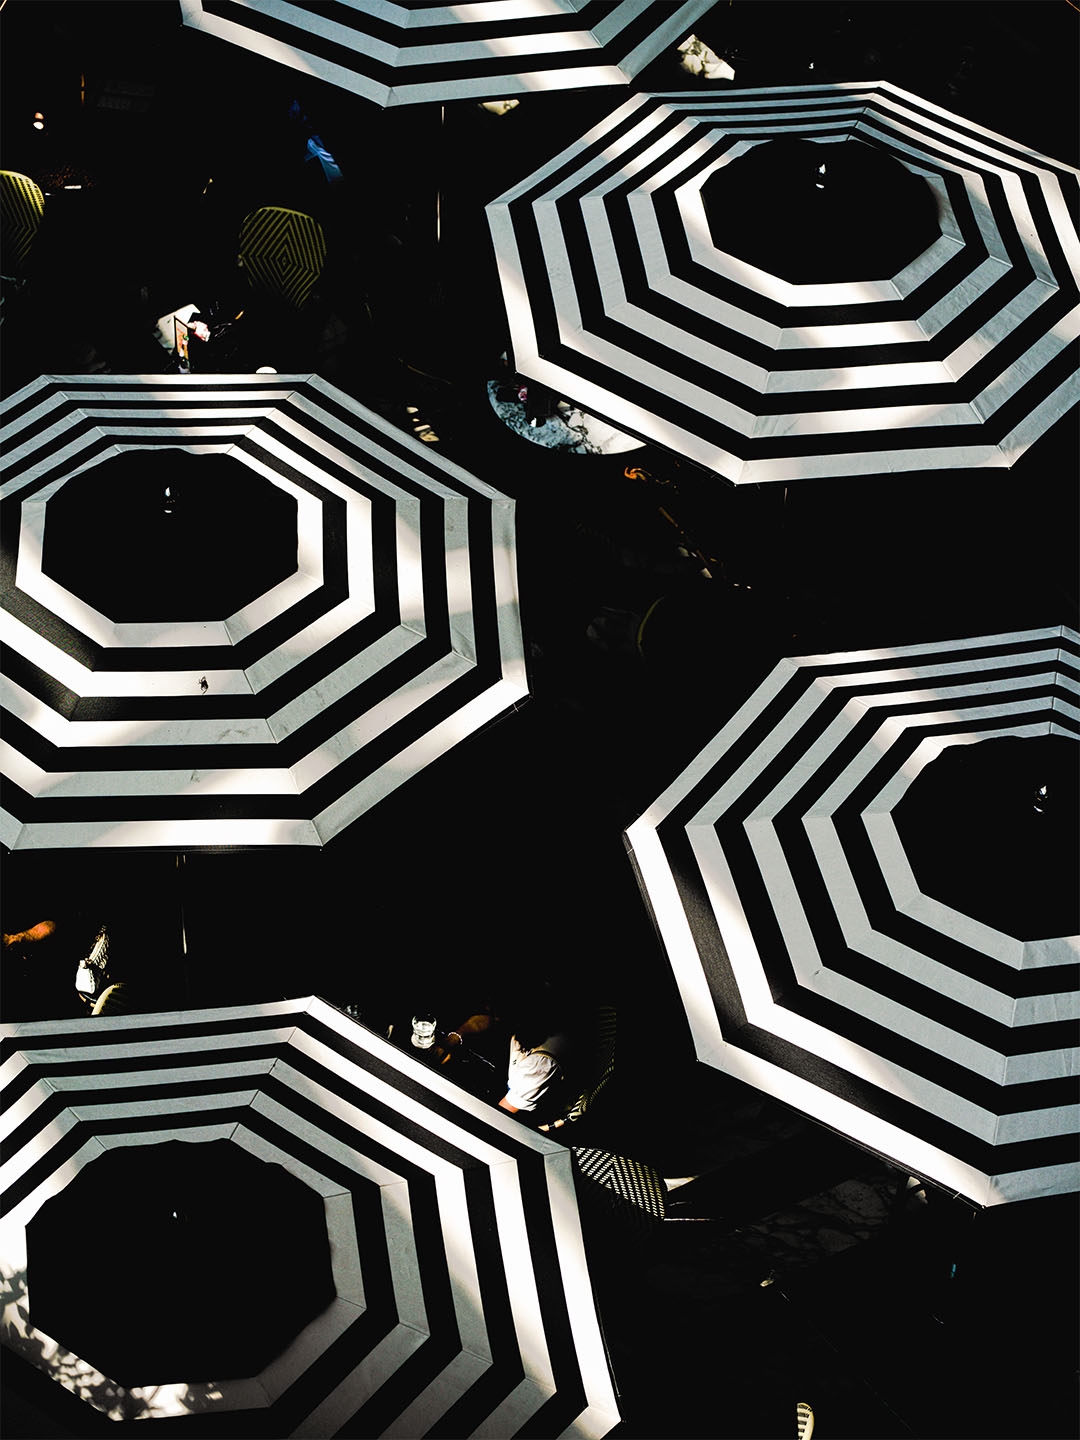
(385, 630)
(832, 947)
(402, 54)
(641, 281)
(462, 1300)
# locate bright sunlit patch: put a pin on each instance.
(699, 59)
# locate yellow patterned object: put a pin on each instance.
(283, 252)
(602, 1067)
(21, 207)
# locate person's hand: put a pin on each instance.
(453, 1040)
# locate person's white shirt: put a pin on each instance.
(530, 1076)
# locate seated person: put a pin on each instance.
(59, 970)
(543, 1048)
(536, 1075)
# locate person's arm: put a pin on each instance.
(41, 931)
(474, 1025)
(504, 1104)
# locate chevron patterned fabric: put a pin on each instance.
(630, 1180)
(283, 252)
(21, 207)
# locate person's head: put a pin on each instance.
(533, 1012)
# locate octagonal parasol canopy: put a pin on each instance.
(462, 1301)
(402, 53)
(785, 870)
(678, 272)
(377, 623)
(186, 1214)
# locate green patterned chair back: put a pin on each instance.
(22, 206)
(283, 252)
(603, 1062)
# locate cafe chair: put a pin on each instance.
(283, 253)
(620, 1195)
(22, 207)
(116, 1000)
(632, 1194)
(630, 1181)
(599, 1071)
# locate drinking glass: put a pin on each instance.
(423, 1031)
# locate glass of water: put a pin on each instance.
(423, 1031)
